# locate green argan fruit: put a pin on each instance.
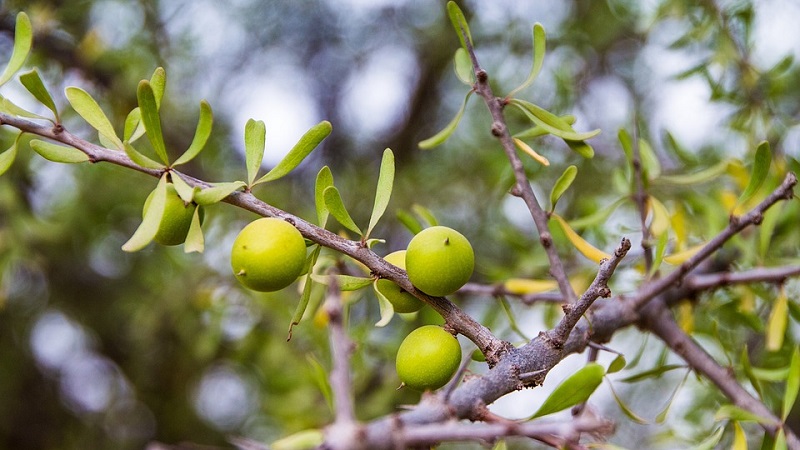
(176, 220)
(402, 301)
(428, 358)
(439, 260)
(268, 255)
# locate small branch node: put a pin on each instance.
(482, 76)
(497, 129)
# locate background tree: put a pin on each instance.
(107, 349)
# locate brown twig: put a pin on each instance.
(709, 282)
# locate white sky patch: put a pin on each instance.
(776, 32)
(117, 22)
(375, 96)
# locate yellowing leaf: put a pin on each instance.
(679, 258)
(527, 149)
(586, 249)
(739, 438)
(777, 322)
(685, 314)
(522, 286)
(661, 222)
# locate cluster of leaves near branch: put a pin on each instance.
(674, 267)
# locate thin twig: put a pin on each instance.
(497, 290)
(709, 282)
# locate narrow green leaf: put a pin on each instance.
(627, 144)
(141, 159)
(733, 412)
(152, 219)
(792, 384)
(217, 192)
(582, 148)
(537, 131)
(386, 307)
(333, 201)
(767, 228)
(562, 184)
(574, 390)
(778, 322)
(780, 440)
(321, 378)
(462, 65)
(761, 165)
(512, 322)
(459, 24)
(151, 119)
(201, 134)
(711, 442)
(662, 416)
(23, 40)
(344, 282)
(617, 364)
(304, 299)
(87, 107)
(9, 107)
(650, 164)
(658, 258)
(551, 122)
(8, 156)
(58, 153)
(748, 370)
(384, 190)
(538, 46)
(302, 440)
(134, 128)
(324, 181)
(702, 176)
(185, 192)
(310, 140)
(195, 242)
(439, 138)
(652, 373)
(255, 133)
(425, 213)
(158, 82)
(597, 217)
(409, 221)
(34, 84)
(625, 408)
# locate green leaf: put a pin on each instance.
(310, 140)
(321, 378)
(551, 122)
(34, 84)
(158, 82)
(780, 440)
(9, 107)
(537, 131)
(702, 176)
(658, 258)
(304, 299)
(201, 134)
(216, 192)
(384, 190)
(23, 40)
(650, 165)
(151, 119)
(763, 159)
(344, 282)
(748, 370)
(134, 128)
(562, 184)
(617, 364)
(333, 201)
(141, 159)
(597, 217)
(255, 132)
(652, 373)
(8, 156)
(87, 107)
(195, 242)
(574, 390)
(733, 412)
(386, 307)
(581, 148)
(185, 192)
(462, 64)
(425, 213)
(792, 384)
(58, 153)
(152, 219)
(439, 138)
(512, 322)
(711, 442)
(625, 409)
(459, 24)
(627, 144)
(767, 229)
(778, 322)
(409, 221)
(302, 440)
(324, 181)
(538, 46)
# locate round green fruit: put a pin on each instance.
(439, 260)
(428, 358)
(177, 218)
(401, 300)
(268, 255)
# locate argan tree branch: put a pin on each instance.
(455, 317)
(760, 275)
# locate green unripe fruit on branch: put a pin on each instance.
(268, 255)
(428, 358)
(177, 218)
(439, 260)
(401, 300)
